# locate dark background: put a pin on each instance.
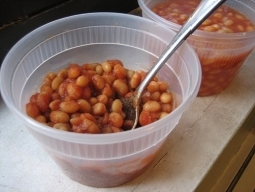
(19, 17)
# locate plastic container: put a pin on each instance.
(99, 160)
(221, 54)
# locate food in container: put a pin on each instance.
(99, 160)
(222, 42)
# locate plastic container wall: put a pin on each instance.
(97, 37)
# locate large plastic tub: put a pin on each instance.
(102, 160)
(221, 54)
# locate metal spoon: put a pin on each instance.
(132, 105)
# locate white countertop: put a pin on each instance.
(189, 152)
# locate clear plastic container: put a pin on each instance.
(99, 160)
(221, 54)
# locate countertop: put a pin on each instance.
(193, 147)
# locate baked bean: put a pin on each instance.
(107, 90)
(184, 17)
(166, 107)
(250, 28)
(135, 80)
(54, 105)
(62, 126)
(86, 94)
(145, 118)
(176, 10)
(209, 28)
(107, 67)
(130, 73)
(163, 86)
(227, 30)
(240, 17)
(46, 88)
(109, 78)
(33, 98)
(56, 82)
(82, 81)
(105, 119)
(142, 74)
(116, 106)
(51, 75)
(153, 87)
(120, 87)
(230, 14)
(173, 14)
(102, 99)
(119, 71)
(114, 62)
(84, 106)
(84, 125)
(155, 96)
(229, 22)
(90, 73)
(240, 27)
(88, 116)
(93, 100)
(55, 96)
(73, 115)
(151, 106)
(146, 96)
(62, 89)
(216, 26)
(163, 114)
(32, 110)
(115, 119)
(106, 129)
(41, 119)
(94, 66)
(99, 70)
(59, 117)
(115, 129)
(218, 15)
(43, 101)
(206, 22)
(111, 129)
(98, 82)
(74, 71)
(166, 97)
(98, 109)
(69, 106)
(68, 98)
(47, 81)
(62, 73)
(74, 90)
(86, 66)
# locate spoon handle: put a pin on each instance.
(204, 9)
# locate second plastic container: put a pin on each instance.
(221, 54)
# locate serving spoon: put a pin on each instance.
(131, 105)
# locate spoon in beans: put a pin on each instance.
(204, 9)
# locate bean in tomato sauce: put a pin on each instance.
(86, 98)
(220, 58)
